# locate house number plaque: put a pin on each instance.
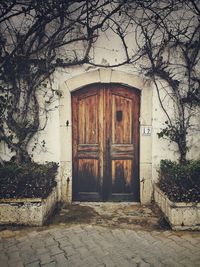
(146, 130)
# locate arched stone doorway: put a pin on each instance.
(103, 77)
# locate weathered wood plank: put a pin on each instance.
(122, 148)
(88, 147)
(88, 155)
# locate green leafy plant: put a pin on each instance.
(181, 182)
(27, 180)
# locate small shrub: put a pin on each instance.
(27, 180)
(181, 182)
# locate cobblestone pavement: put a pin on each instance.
(91, 245)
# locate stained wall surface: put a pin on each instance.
(58, 136)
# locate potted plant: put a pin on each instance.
(177, 193)
(27, 192)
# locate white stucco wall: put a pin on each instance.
(58, 137)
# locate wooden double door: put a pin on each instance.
(105, 143)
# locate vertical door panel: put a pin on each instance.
(121, 120)
(88, 120)
(86, 144)
(122, 135)
(121, 176)
(88, 175)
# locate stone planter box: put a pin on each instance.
(27, 211)
(180, 215)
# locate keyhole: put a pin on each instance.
(119, 115)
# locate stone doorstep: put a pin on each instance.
(27, 211)
(178, 213)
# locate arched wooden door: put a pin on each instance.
(105, 120)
